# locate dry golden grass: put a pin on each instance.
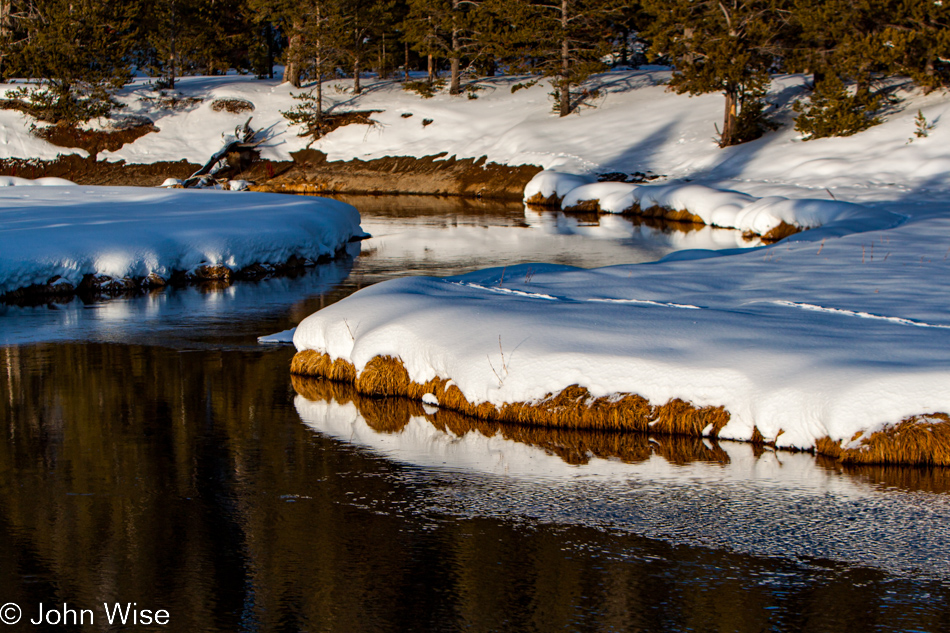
(311, 363)
(538, 200)
(664, 213)
(217, 272)
(572, 408)
(574, 446)
(584, 206)
(920, 440)
(780, 232)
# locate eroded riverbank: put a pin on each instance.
(308, 172)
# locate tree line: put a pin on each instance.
(82, 50)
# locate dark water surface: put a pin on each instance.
(155, 453)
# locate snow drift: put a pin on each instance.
(818, 338)
(62, 234)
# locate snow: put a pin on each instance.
(636, 126)
(13, 181)
(829, 333)
(128, 232)
(832, 332)
(278, 338)
(716, 207)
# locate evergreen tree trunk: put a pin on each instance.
(406, 67)
(357, 89)
(318, 64)
(4, 33)
(564, 87)
(729, 118)
(431, 69)
(269, 34)
(455, 84)
(174, 54)
(293, 71)
(319, 94)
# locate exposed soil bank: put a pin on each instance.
(87, 171)
(311, 172)
(308, 172)
(918, 440)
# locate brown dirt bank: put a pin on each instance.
(88, 171)
(311, 172)
(919, 440)
(308, 172)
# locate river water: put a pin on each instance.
(155, 453)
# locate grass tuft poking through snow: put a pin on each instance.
(574, 446)
(572, 408)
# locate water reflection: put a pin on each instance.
(204, 315)
(162, 460)
(185, 479)
(412, 235)
(689, 491)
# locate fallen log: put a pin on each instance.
(244, 143)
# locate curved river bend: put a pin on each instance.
(155, 453)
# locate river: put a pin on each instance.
(155, 453)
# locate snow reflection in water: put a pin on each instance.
(683, 490)
(411, 235)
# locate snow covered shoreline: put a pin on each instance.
(771, 217)
(826, 341)
(57, 240)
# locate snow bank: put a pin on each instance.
(131, 233)
(551, 186)
(813, 337)
(13, 181)
(715, 207)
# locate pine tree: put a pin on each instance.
(918, 33)
(449, 29)
(78, 49)
(843, 44)
(729, 47)
(563, 39)
(179, 37)
(354, 29)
